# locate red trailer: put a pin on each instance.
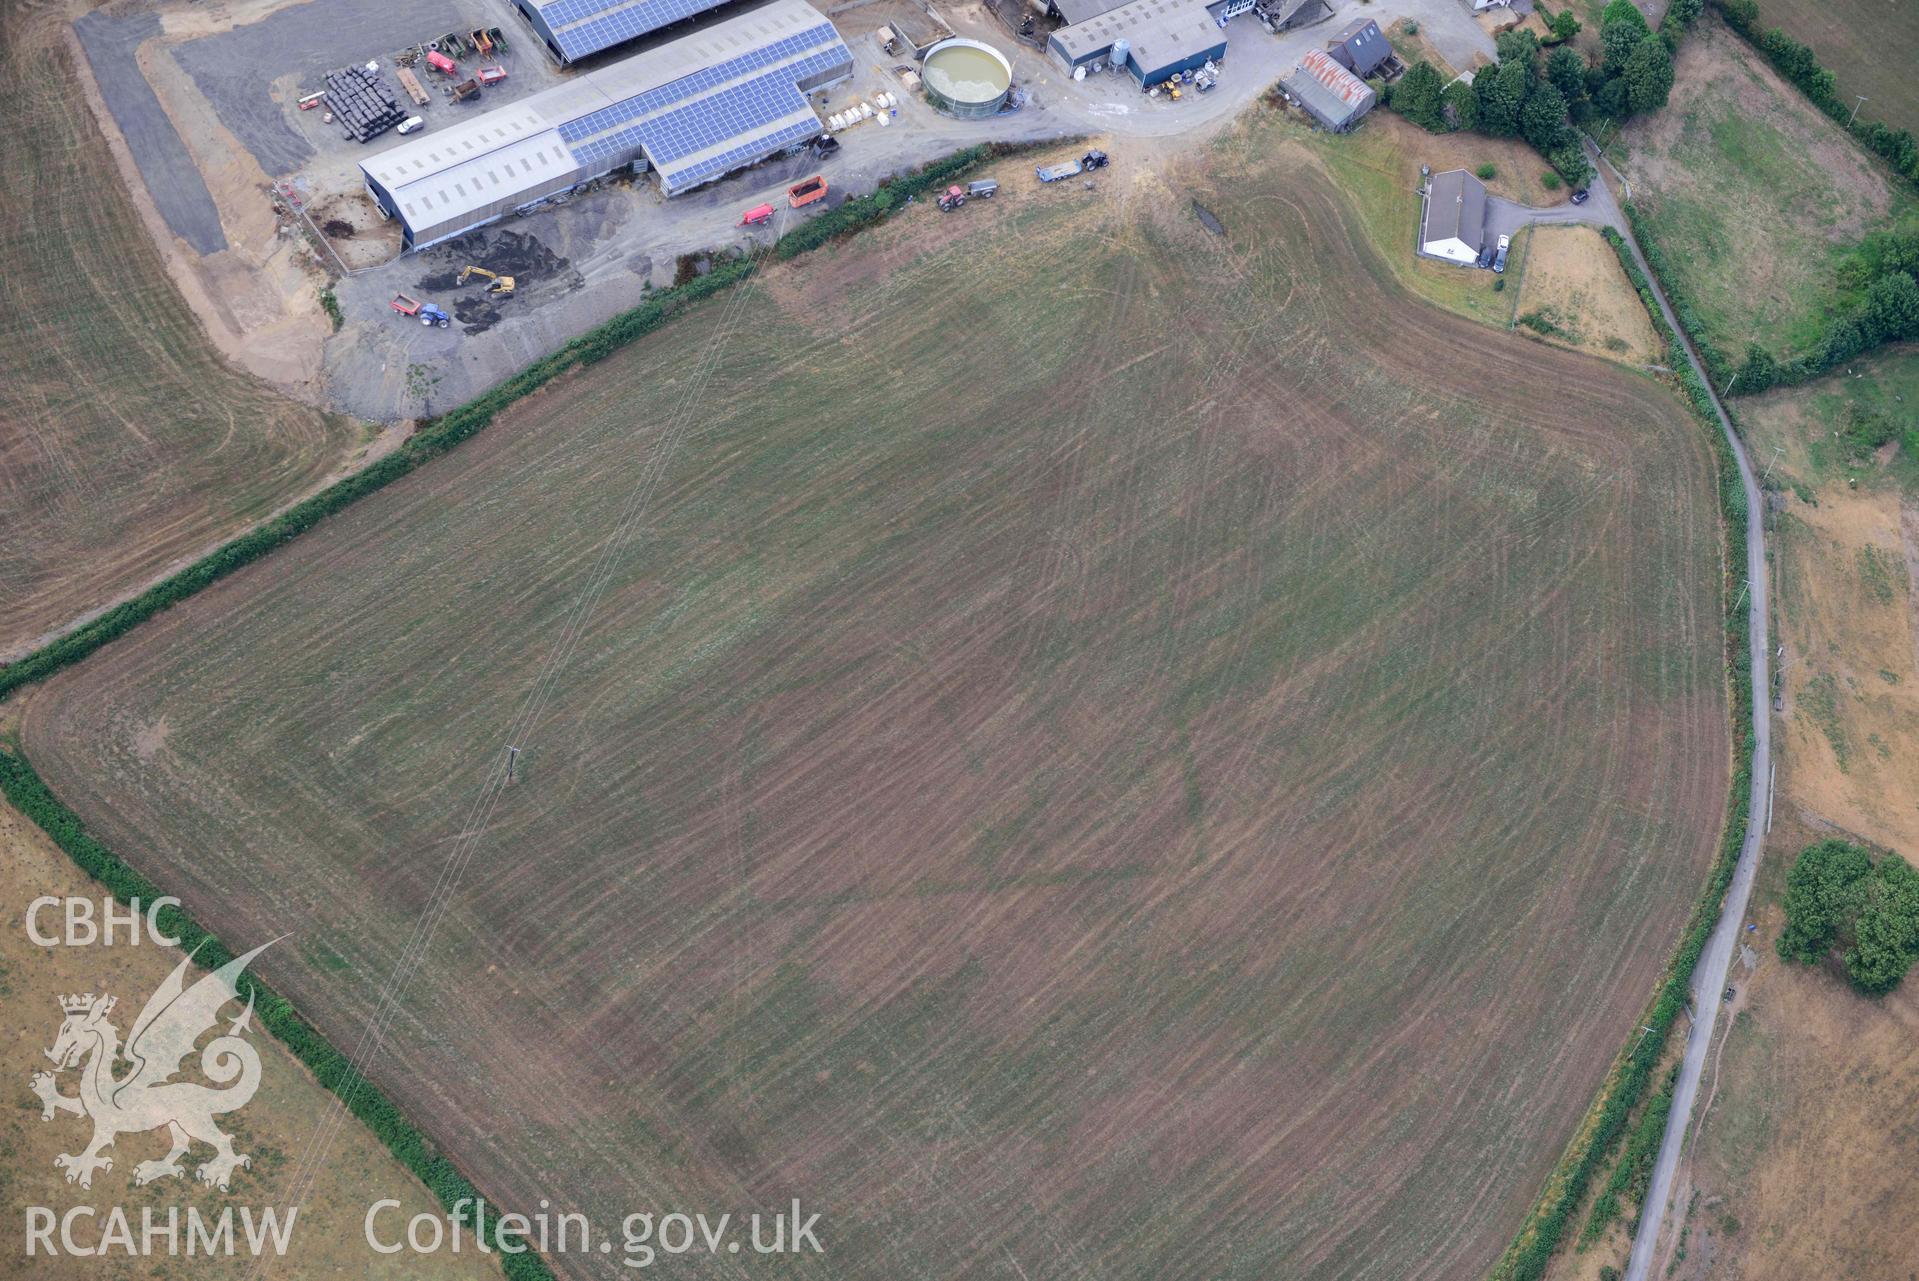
(806, 192)
(441, 63)
(757, 216)
(492, 75)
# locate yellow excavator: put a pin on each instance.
(501, 284)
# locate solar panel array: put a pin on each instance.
(746, 153)
(705, 78)
(731, 112)
(617, 26)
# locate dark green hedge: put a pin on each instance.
(1798, 64)
(26, 792)
(30, 795)
(437, 436)
(1526, 1259)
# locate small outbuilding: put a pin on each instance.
(1454, 224)
(1360, 48)
(1330, 94)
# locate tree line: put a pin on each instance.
(1545, 92)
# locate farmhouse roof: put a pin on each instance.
(1361, 47)
(1455, 209)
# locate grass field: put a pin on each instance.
(1378, 166)
(1808, 1143)
(125, 443)
(327, 1238)
(1577, 294)
(1867, 45)
(1754, 194)
(1202, 798)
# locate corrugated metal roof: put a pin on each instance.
(1076, 11)
(1346, 86)
(697, 107)
(1160, 32)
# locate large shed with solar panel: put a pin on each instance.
(575, 29)
(693, 110)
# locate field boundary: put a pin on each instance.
(1800, 67)
(438, 435)
(1605, 1122)
(23, 787)
(28, 793)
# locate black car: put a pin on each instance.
(1579, 197)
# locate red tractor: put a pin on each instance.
(955, 197)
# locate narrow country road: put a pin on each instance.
(1709, 978)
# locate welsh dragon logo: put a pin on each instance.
(146, 1097)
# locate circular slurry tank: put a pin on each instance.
(965, 78)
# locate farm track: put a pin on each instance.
(126, 444)
(1026, 816)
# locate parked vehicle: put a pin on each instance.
(441, 63)
(428, 313)
(952, 198)
(825, 145)
(410, 124)
(1053, 173)
(1580, 196)
(757, 216)
(1094, 160)
(805, 192)
(492, 75)
(1499, 259)
(983, 189)
(464, 90)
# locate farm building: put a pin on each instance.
(575, 29)
(1153, 39)
(694, 110)
(1331, 94)
(1360, 48)
(1454, 224)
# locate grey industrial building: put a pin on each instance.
(1330, 94)
(694, 110)
(575, 29)
(1153, 39)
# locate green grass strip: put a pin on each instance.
(1606, 1123)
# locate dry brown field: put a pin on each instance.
(1069, 743)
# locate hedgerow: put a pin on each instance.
(437, 436)
(1539, 1238)
(28, 793)
(1800, 66)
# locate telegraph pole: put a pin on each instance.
(1855, 110)
(512, 759)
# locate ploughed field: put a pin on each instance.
(1103, 750)
(126, 443)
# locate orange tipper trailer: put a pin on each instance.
(806, 192)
